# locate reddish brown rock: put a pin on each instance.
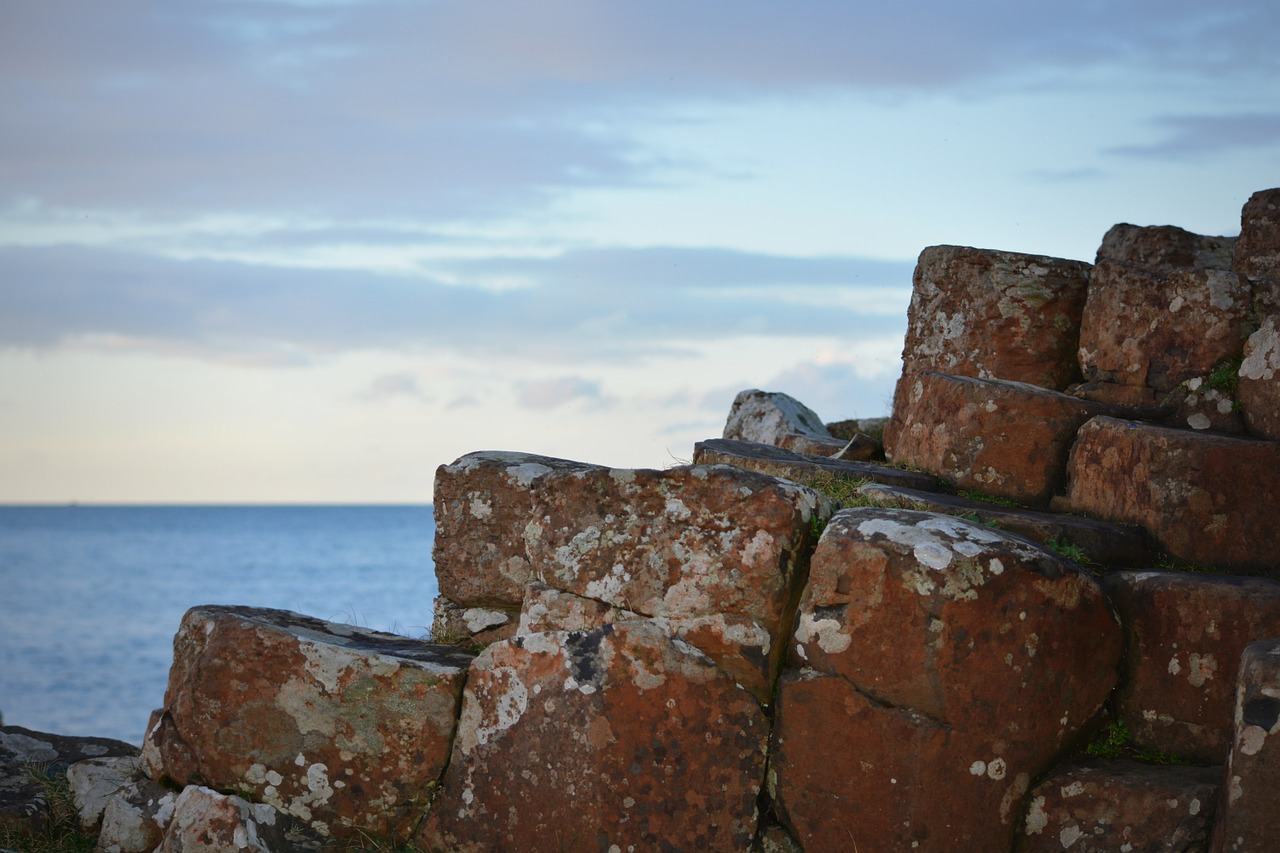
(995, 315)
(1185, 633)
(340, 726)
(768, 417)
(1257, 252)
(1207, 499)
(1108, 805)
(801, 468)
(1259, 389)
(1146, 402)
(1165, 246)
(953, 658)
(1249, 809)
(860, 447)
(205, 821)
(1159, 327)
(1007, 439)
(585, 740)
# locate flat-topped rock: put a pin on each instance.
(1165, 246)
(339, 726)
(1102, 542)
(1257, 252)
(1096, 805)
(1185, 633)
(800, 468)
(1007, 439)
(1207, 499)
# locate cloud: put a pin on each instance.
(553, 393)
(1192, 136)
(400, 384)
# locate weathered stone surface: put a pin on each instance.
(584, 740)
(1159, 327)
(453, 623)
(1108, 805)
(951, 656)
(340, 726)
(768, 417)
(1102, 542)
(1008, 439)
(133, 821)
(860, 447)
(1204, 407)
(1249, 809)
(1257, 253)
(1146, 403)
(1165, 246)
(777, 462)
(1184, 635)
(1206, 499)
(1259, 390)
(24, 751)
(995, 315)
(847, 429)
(95, 781)
(205, 821)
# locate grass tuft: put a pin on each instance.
(62, 832)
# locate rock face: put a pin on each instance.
(917, 631)
(205, 821)
(777, 462)
(770, 417)
(339, 726)
(623, 723)
(22, 797)
(1259, 376)
(1166, 246)
(1207, 499)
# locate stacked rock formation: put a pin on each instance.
(984, 641)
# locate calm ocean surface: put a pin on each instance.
(91, 596)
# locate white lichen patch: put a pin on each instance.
(478, 619)
(569, 556)
(1252, 739)
(1037, 819)
(1070, 835)
(499, 701)
(828, 634)
(1201, 668)
(526, 473)
(1262, 353)
(480, 508)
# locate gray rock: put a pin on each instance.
(768, 417)
(27, 755)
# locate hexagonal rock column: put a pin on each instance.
(1257, 252)
(1207, 499)
(1249, 809)
(955, 661)
(340, 726)
(996, 315)
(1008, 439)
(1184, 637)
(619, 738)
(1101, 806)
(1259, 390)
(1159, 327)
(692, 544)
(1165, 246)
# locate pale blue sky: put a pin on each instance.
(257, 250)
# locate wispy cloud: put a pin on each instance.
(556, 392)
(1193, 136)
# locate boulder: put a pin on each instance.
(96, 781)
(995, 315)
(957, 661)
(1259, 375)
(339, 726)
(26, 754)
(1165, 246)
(134, 820)
(205, 821)
(1007, 439)
(1257, 251)
(1106, 805)
(707, 545)
(1249, 809)
(1185, 633)
(768, 417)
(1159, 327)
(1207, 499)
(621, 738)
(802, 468)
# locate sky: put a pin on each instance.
(307, 250)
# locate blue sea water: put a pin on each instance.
(91, 596)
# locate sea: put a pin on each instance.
(91, 596)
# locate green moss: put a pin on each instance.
(975, 495)
(1116, 741)
(1225, 377)
(1070, 551)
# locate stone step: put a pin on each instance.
(1103, 543)
(802, 468)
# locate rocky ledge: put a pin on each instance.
(1038, 609)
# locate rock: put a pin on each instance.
(340, 726)
(96, 781)
(1259, 389)
(1257, 252)
(27, 755)
(205, 821)
(1165, 246)
(800, 468)
(768, 417)
(1102, 542)
(1147, 403)
(860, 447)
(1204, 405)
(134, 820)
(1007, 439)
(1249, 810)
(775, 839)
(549, 609)
(616, 738)
(702, 544)
(1159, 327)
(995, 315)
(1105, 805)
(847, 429)
(1207, 499)
(921, 634)
(454, 624)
